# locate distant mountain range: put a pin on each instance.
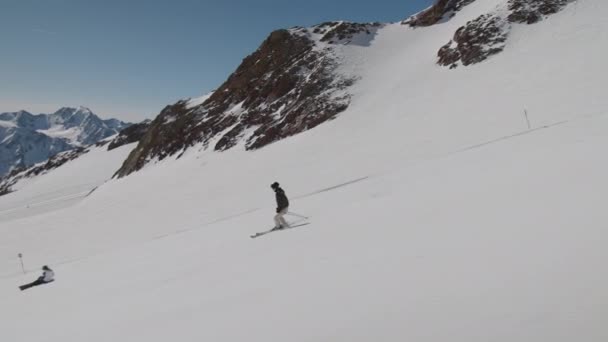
(27, 139)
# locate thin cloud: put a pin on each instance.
(44, 31)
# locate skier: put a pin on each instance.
(282, 207)
(47, 276)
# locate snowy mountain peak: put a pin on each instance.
(14, 116)
(67, 112)
(26, 139)
(74, 109)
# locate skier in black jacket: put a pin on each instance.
(282, 207)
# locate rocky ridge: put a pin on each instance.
(440, 10)
(288, 85)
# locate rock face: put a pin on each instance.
(27, 139)
(532, 11)
(485, 36)
(129, 135)
(290, 84)
(335, 32)
(441, 10)
(475, 42)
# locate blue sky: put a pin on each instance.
(130, 58)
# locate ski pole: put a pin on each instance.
(297, 215)
(21, 259)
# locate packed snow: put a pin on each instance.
(63, 186)
(435, 213)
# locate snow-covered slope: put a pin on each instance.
(437, 214)
(27, 139)
(37, 190)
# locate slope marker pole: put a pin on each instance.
(21, 259)
(527, 120)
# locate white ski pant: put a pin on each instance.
(279, 220)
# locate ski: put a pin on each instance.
(276, 230)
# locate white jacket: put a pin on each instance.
(48, 275)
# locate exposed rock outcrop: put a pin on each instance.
(532, 11)
(487, 35)
(441, 10)
(475, 42)
(130, 135)
(334, 32)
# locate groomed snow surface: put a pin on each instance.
(436, 215)
(64, 186)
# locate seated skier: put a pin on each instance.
(282, 207)
(47, 276)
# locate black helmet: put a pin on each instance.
(274, 185)
(45, 267)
